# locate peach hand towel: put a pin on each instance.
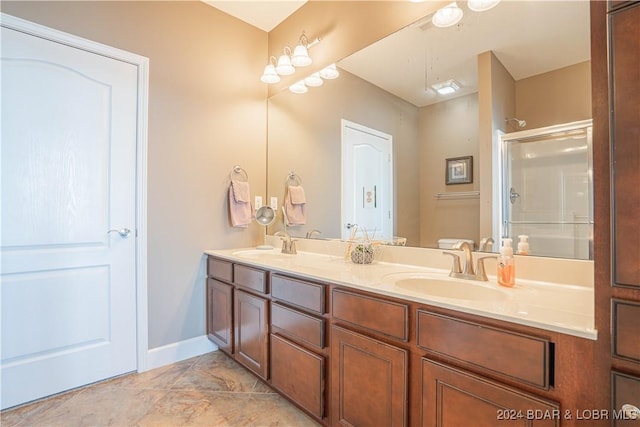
(295, 205)
(240, 208)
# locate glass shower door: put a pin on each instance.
(547, 192)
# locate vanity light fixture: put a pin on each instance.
(270, 75)
(446, 88)
(299, 87)
(284, 67)
(330, 72)
(287, 62)
(301, 56)
(314, 80)
(447, 16)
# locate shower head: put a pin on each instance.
(520, 123)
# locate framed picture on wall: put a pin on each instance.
(459, 170)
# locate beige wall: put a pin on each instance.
(559, 96)
(305, 137)
(448, 129)
(207, 112)
(344, 27)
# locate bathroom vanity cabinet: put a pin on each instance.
(237, 313)
(298, 342)
(369, 376)
(350, 356)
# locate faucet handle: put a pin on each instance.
(480, 270)
(455, 266)
(292, 247)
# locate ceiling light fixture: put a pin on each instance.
(447, 16)
(482, 5)
(270, 75)
(447, 88)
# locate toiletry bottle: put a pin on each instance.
(506, 268)
(523, 245)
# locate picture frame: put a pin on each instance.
(459, 170)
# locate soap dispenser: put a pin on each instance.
(506, 268)
(523, 245)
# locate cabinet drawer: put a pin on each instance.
(375, 314)
(626, 329)
(625, 390)
(297, 325)
(452, 397)
(250, 278)
(297, 292)
(516, 356)
(299, 374)
(220, 269)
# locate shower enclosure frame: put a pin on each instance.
(502, 187)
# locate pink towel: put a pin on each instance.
(241, 191)
(295, 205)
(240, 208)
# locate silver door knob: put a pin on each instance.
(630, 412)
(123, 232)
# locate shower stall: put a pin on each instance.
(547, 189)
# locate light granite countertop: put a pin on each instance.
(564, 308)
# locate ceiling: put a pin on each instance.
(529, 37)
(265, 14)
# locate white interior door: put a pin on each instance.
(367, 182)
(68, 177)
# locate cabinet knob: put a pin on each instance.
(630, 412)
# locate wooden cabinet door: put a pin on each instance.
(220, 314)
(625, 396)
(251, 332)
(454, 398)
(625, 92)
(368, 381)
(299, 374)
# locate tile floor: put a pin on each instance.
(208, 390)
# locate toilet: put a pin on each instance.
(448, 243)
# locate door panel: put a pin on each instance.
(367, 180)
(68, 177)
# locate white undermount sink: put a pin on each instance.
(271, 254)
(459, 289)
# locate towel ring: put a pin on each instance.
(237, 170)
(294, 179)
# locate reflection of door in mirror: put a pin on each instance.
(548, 189)
(367, 182)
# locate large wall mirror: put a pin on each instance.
(526, 61)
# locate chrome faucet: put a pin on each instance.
(288, 244)
(467, 271)
(312, 232)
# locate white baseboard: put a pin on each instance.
(175, 352)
